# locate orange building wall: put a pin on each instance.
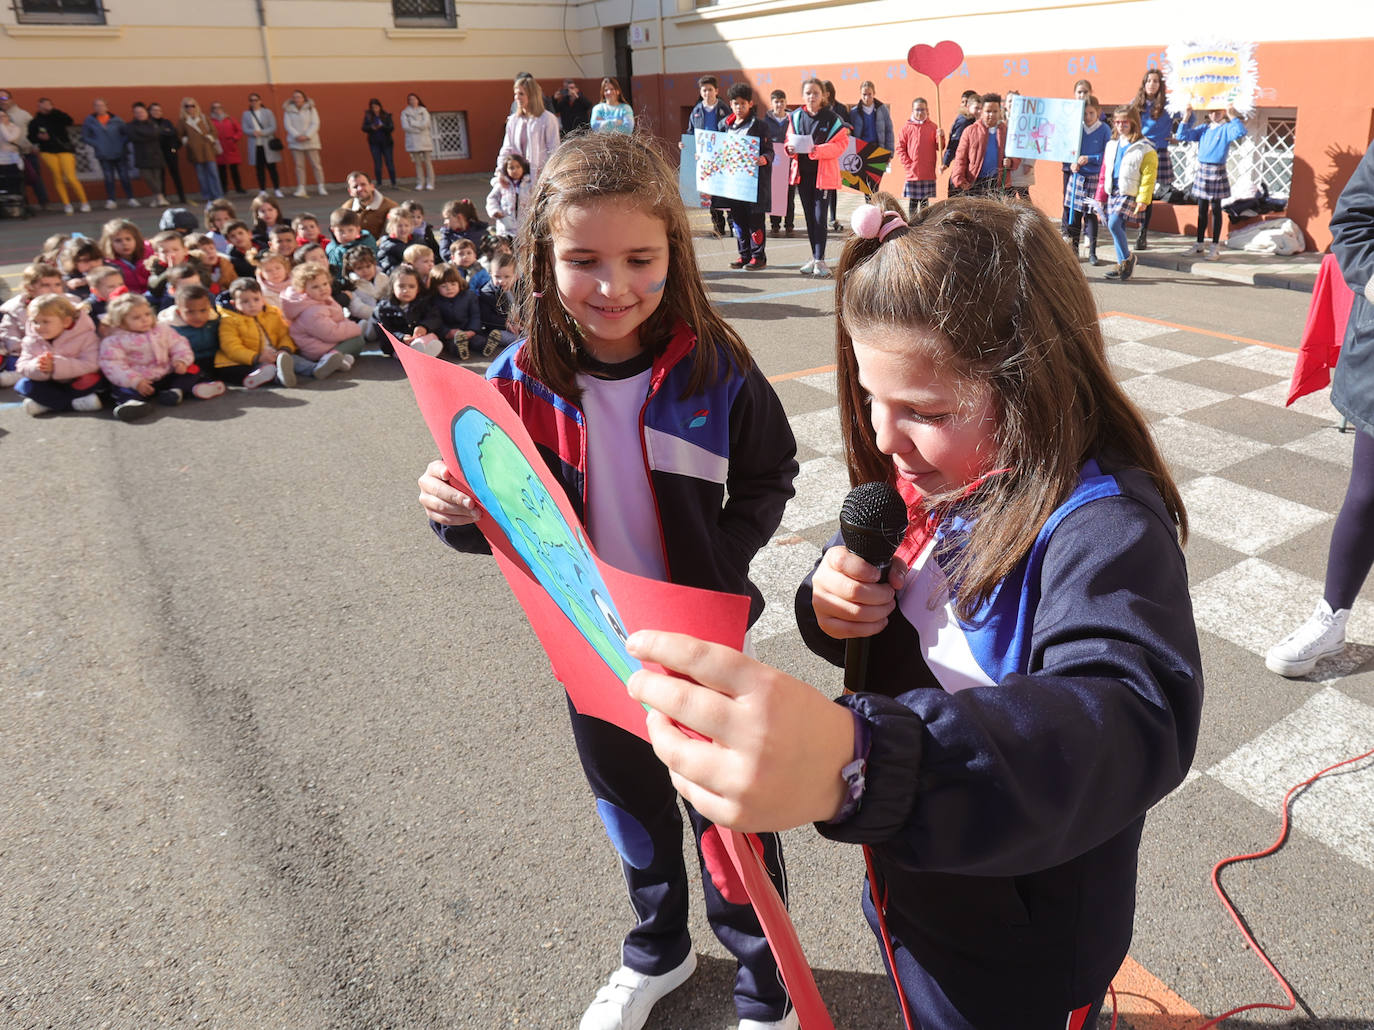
(1335, 118)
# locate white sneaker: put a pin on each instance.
(8, 379)
(110, 205)
(821, 270)
(322, 191)
(419, 185)
(134, 203)
(286, 369)
(300, 192)
(86, 207)
(808, 268)
(32, 407)
(627, 998)
(428, 345)
(328, 365)
(1321, 636)
(260, 376)
(204, 391)
(278, 192)
(86, 402)
(67, 209)
(791, 1021)
(1196, 248)
(160, 201)
(1214, 252)
(348, 361)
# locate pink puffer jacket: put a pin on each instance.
(75, 352)
(317, 326)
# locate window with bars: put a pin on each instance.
(59, 12)
(424, 13)
(450, 130)
(1264, 156)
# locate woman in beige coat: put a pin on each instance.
(202, 146)
(301, 124)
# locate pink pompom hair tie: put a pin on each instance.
(873, 223)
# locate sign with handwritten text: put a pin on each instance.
(1210, 75)
(1044, 129)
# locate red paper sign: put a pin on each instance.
(937, 62)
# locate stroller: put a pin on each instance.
(12, 202)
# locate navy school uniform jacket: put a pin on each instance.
(391, 253)
(720, 463)
(398, 318)
(459, 313)
(448, 237)
(956, 130)
(1012, 760)
(697, 119)
(493, 304)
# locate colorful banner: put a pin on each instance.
(728, 165)
(1209, 75)
(1044, 129)
(862, 165)
(582, 609)
(687, 173)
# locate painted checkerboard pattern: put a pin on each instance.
(1261, 483)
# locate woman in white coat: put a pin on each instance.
(260, 129)
(531, 132)
(301, 123)
(416, 122)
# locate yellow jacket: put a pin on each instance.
(241, 338)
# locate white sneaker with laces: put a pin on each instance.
(627, 998)
(278, 192)
(85, 207)
(808, 268)
(1214, 252)
(1321, 636)
(134, 203)
(67, 209)
(821, 270)
(110, 205)
(286, 370)
(791, 1021)
(32, 407)
(322, 191)
(348, 361)
(328, 365)
(260, 376)
(86, 402)
(300, 192)
(1196, 248)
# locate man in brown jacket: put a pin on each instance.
(369, 203)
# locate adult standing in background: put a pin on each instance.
(33, 175)
(202, 147)
(871, 120)
(531, 132)
(228, 132)
(417, 123)
(259, 126)
(144, 137)
(612, 114)
(573, 109)
(301, 123)
(104, 133)
(379, 128)
(171, 146)
(50, 131)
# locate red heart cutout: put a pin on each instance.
(937, 62)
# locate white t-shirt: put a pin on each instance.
(622, 519)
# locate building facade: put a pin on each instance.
(1313, 122)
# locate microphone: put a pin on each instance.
(873, 522)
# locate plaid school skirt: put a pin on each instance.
(1116, 202)
(1164, 177)
(1081, 189)
(1211, 182)
(919, 189)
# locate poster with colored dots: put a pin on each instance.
(728, 165)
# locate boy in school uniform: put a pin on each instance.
(970, 105)
(709, 114)
(776, 122)
(981, 159)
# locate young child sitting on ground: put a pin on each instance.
(78, 258)
(60, 363)
(459, 313)
(349, 234)
(496, 303)
(319, 326)
(195, 318)
(368, 282)
(107, 282)
(460, 223)
(409, 313)
(419, 257)
(307, 229)
(465, 254)
(273, 275)
(219, 267)
(36, 280)
(143, 359)
(391, 247)
(420, 230)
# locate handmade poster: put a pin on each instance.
(1209, 75)
(862, 166)
(687, 174)
(728, 165)
(581, 609)
(781, 171)
(1044, 129)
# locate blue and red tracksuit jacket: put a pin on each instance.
(721, 462)
(1012, 757)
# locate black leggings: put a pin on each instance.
(814, 203)
(1202, 206)
(1352, 538)
(173, 168)
(226, 172)
(263, 167)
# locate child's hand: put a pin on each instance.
(267, 355)
(847, 597)
(144, 388)
(180, 367)
(442, 502)
(45, 364)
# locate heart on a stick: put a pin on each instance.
(937, 62)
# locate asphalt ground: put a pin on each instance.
(274, 757)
